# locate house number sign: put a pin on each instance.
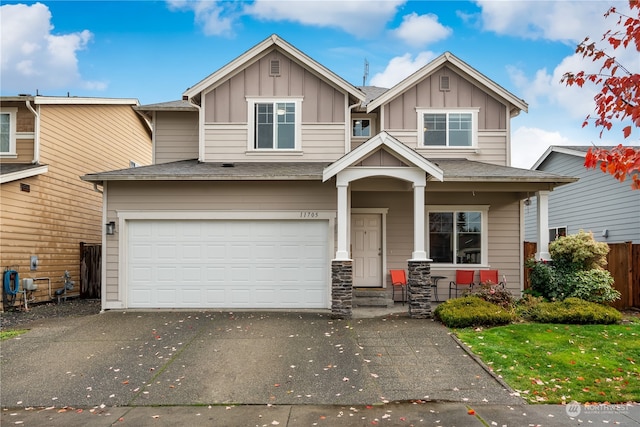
(309, 214)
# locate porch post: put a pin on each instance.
(543, 225)
(341, 289)
(342, 252)
(418, 222)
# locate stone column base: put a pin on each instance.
(341, 289)
(419, 287)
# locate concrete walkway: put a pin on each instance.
(253, 368)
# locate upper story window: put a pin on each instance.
(455, 128)
(8, 131)
(458, 235)
(275, 124)
(361, 128)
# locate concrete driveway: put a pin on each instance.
(207, 358)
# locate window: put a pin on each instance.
(8, 131)
(275, 125)
(361, 128)
(555, 233)
(448, 128)
(457, 236)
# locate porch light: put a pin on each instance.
(110, 228)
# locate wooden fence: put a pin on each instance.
(90, 270)
(623, 262)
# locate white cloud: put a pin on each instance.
(356, 17)
(528, 144)
(557, 20)
(420, 30)
(215, 17)
(35, 58)
(401, 67)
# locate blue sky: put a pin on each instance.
(154, 50)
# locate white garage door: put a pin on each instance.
(227, 264)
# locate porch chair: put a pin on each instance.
(399, 280)
(464, 278)
(491, 276)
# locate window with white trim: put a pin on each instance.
(361, 128)
(454, 128)
(8, 131)
(457, 235)
(275, 124)
(557, 232)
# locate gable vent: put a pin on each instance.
(445, 83)
(274, 67)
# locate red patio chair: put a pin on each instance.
(490, 276)
(464, 279)
(399, 280)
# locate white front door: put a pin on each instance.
(366, 249)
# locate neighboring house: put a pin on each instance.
(597, 202)
(277, 184)
(46, 210)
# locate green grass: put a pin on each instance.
(5, 335)
(549, 363)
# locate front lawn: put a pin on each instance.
(552, 363)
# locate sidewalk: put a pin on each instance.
(392, 414)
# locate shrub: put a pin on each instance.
(525, 305)
(592, 285)
(543, 280)
(576, 271)
(579, 252)
(494, 294)
(471, 311)
(574, 311)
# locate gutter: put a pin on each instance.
(36, 133)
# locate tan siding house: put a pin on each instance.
(47, 210)
(276, 184)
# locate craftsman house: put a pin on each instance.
(46, 209)
(277, 184)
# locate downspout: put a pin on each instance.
(200, 129)
(36, 133)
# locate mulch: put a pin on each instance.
(72, 307)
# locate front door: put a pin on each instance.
(366, 249)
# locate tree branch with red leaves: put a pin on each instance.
(619, 96)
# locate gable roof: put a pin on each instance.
(250, 56)
(516, 103)
(572, 150)
(393, 145)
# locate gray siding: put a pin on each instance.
(175, 136)
(595, 203)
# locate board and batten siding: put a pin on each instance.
(503, 223)
(322, 113)
(594, 203)
(61, 210)
(176, 136)
(190, 197)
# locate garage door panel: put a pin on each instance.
(227, 264)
